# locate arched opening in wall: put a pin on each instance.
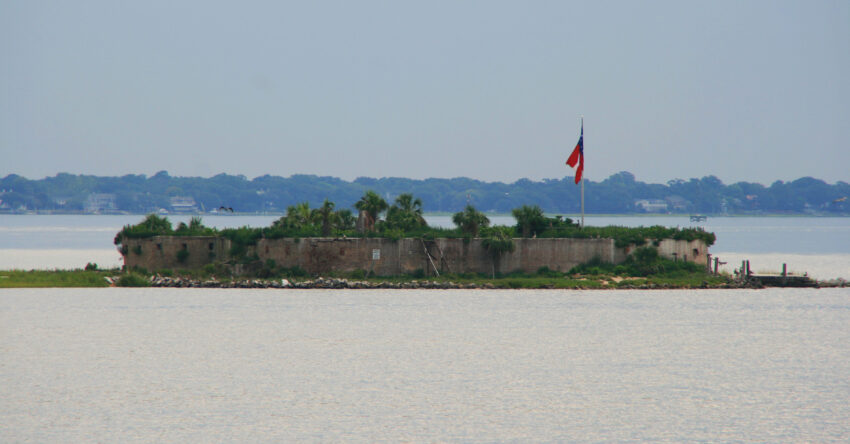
(696, 252)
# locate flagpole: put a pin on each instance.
(582, 176)
(582, 202)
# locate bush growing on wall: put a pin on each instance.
(152, 225)
(645, 261)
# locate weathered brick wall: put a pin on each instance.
(385, 257)
(693, 251)
(160, 252)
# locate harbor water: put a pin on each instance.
(203, 365)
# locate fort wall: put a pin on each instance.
(387, 257)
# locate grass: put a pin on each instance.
(56, 278)
(546, 279)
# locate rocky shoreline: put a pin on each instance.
(335, 283)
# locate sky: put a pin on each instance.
(754, 91)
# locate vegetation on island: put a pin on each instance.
(620, 193)
(404, 219)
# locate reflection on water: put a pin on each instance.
(118, 365)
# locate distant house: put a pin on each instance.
(651, 205)
(100, 203)
(677, 203)
(183, 204)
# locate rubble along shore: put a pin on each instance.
(337, 283)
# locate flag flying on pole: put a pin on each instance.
(578, 155)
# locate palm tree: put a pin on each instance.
(498, 243)
(406, 213)
(299, 216)
(196, 224)
(470, 220)
(156, 224)
(325, 214)
(345, 220)
(530, 219)
(372, 204)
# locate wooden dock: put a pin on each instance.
(783, 279)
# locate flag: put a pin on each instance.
(578, 156)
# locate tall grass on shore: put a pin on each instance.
(52, 278)
(594, 275)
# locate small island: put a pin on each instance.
(391, 245)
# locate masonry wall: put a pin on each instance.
(691, 251)
(160, 252)
(385, 257)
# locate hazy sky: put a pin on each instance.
(744, 90)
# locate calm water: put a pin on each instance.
(819, 246)
(170, 365)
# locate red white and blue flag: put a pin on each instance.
(577, 157)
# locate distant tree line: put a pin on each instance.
(618, 194)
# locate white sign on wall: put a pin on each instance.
(376, 254)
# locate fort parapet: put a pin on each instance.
(387, 257)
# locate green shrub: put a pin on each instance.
(182, 255)
(514, 283)
(152, 225)
(137, 249)
(393, 234)
(133, 280)
(91, 266)
(241, 238)
(292, 272)
(357, 274)
(547, 272)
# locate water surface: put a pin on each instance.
(185, 365)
